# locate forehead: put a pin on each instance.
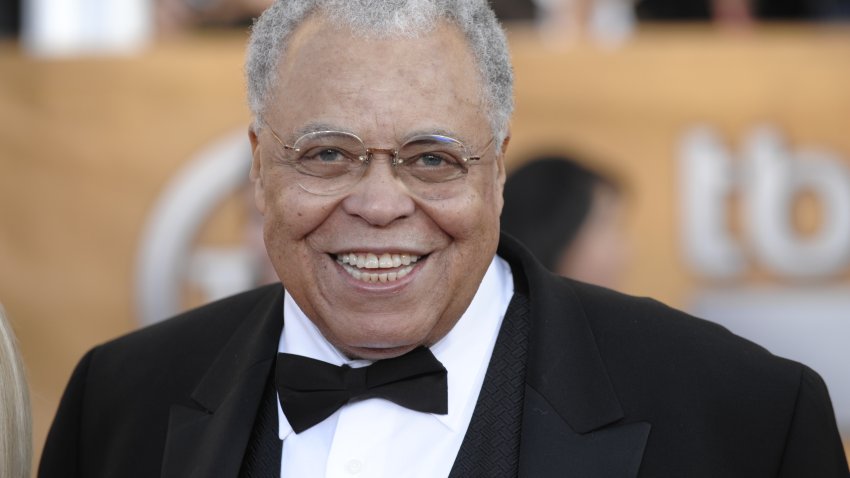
(383, 87)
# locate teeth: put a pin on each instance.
(372, 277)
(373, 261)
(383, 277)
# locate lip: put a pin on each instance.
(379, 250)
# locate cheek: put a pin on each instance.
(277, 237)
(288, 232)
(488, 206)
(499, 198)
(469, 217)
(291, 213)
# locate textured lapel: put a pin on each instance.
(492, 442)
(570, 410)
(209, 440)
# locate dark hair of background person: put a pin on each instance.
(10, 18)
(514, 10)
(547, 201)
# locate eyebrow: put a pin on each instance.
(315, 126)
(433, 131)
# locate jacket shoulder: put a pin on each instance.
(211, 324)
(647, 344)
(685, 374)
(180, 347)
(117, 407)
(650, 324)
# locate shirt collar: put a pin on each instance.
(465, 351)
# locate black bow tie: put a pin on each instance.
(311, 390)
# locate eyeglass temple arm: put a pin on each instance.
(277, 138)
(485, 148)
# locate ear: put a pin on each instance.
(502, 152)
(500, 161)
(256, 173)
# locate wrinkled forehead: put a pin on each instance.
(439, 42)
(331, 73)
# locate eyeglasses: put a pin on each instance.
(431, 166)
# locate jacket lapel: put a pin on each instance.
(550, 447)
(210, 439)
(572, 420)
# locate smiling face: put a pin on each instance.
(379, 270)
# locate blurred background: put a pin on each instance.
(726, 123)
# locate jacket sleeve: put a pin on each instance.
(61, 455)
(813, 445)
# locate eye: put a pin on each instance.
(324, 155)
(432, 160)
(326, 162)
(434, 167)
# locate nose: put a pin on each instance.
(379, 198)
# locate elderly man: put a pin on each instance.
(407, 338)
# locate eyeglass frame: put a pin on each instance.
(393, 152)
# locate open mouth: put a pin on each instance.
(369, 267)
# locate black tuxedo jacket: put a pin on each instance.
(614, 386)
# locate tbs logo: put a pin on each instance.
(765, 178)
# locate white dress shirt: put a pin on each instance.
(377, 438)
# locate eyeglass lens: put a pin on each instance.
(430, 166)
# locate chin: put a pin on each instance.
(382, 333)
(376, 353)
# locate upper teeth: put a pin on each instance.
(373, 261)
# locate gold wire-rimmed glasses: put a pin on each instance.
(431, 166)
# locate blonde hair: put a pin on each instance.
(15, 418)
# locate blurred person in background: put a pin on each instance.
(514, 10)
(721, 11)
(15, 422)
(742, 11)
(570, 217)
(10, 18)
(607, 22)
(177, 15)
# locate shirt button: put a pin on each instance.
(354, 466)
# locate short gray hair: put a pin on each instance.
(271, 32)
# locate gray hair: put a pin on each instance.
(15, 418)
(383, 18)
